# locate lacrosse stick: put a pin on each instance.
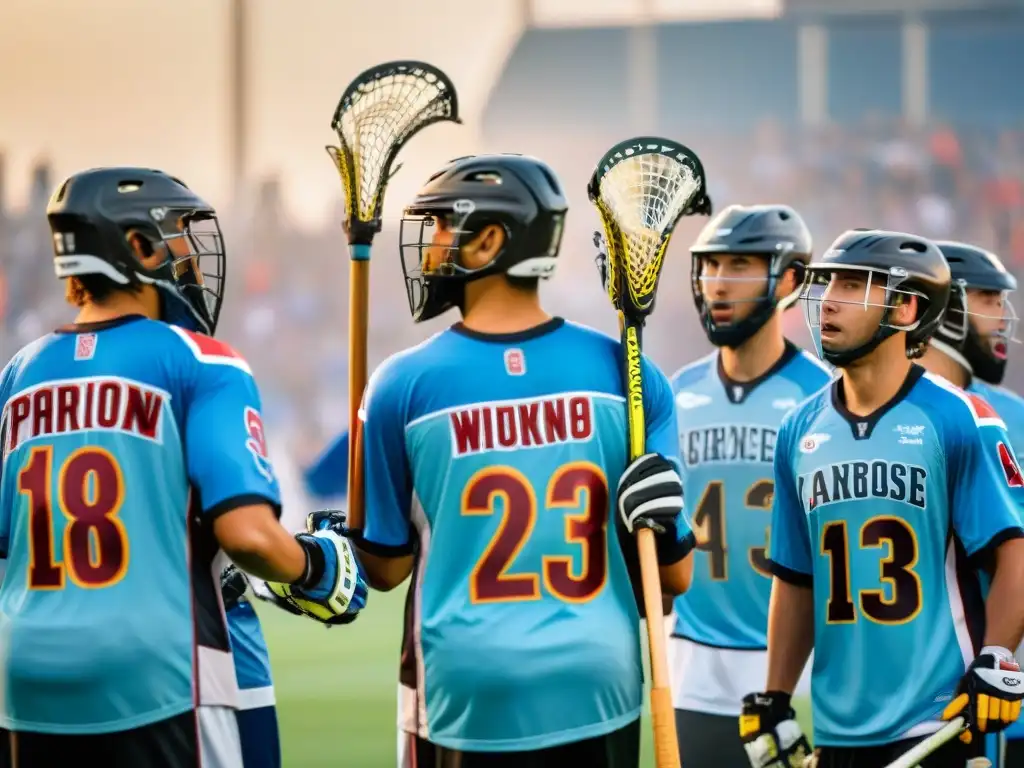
(378, 113)
(947, 733)
(641, 187)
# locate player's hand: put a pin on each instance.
(233, 585)
(650, 494)
(989, 694)
(770, 733)
(339, 592)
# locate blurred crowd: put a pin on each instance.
(287, 307)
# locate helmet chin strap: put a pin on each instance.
(952, 354)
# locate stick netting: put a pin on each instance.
(378, 118)
(645, 194)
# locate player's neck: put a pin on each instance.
(495, 306)
(943, 365)
(875, 379)
(120, 304)
(756, 355)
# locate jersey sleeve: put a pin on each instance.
(328, 475)
(790, 545)
(388, 480)
(225, 444)
(5, 508)
(662, 437)
(987, 487)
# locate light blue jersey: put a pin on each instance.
(727, 434)
(888, 516)
(495, 460)
(1010, 408)
(122, 442)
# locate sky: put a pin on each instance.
(147, 82)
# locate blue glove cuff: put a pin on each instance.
(321, 566)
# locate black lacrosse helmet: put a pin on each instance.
(94, 214)
(905, 264)
(773, 232)
(519, 193)
(974, 268)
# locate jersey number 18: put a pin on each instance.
(90, 492)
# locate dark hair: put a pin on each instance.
(94, 288)
(524, 283)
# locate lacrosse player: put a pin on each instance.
(747, 265)
(969, 349)
(496, 473)
(891, 487)
(133, 451)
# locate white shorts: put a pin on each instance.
(715, 680)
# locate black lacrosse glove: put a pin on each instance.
(650, 495)
(989, 695)
(770, 733)
(233, 585)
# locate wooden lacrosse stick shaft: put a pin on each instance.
(358, 326)
(663, 716)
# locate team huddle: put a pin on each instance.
(851, 525)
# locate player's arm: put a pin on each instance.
(791, 608)
(238, 494)
(987, 496)
(768, 724)
(650, 491)
(386, 543)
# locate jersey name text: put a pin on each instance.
(79, 405)
(509, 426)
(861, 480)
(729, 442)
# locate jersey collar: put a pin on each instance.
(863, 426)
(548, 326)
(737, 391)
(102, 325)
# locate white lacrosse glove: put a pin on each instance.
(333, 589)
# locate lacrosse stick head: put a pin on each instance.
(641, 188)
(377, 114)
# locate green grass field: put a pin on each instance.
(337, 688)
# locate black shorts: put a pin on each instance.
(203, 738)
(618, 749)
(710, 741)
(952, 754)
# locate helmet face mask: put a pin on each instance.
(991, 326)
(878, 272)
(139, 226)
(852, 286)
(445, 229)
(980, 321)
(772, 234)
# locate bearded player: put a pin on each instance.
(747, 268)
(970, 349)
(497, 475)
(893, 488)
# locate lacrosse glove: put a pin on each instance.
(233, 586)
(989, 695)
(650, 495)
(333, 589)
(770, 733)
